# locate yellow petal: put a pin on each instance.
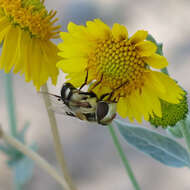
(4, 27)
(75, 31)
(9, 51)
(72, 65)
(173, 93)
(156, 61)
(139, 36)
(23, 51)
(66, 37)
(151, 99)
(119, 32)
(122, 108)
(28, 62)
(145, 48)
(76, 79)
(50, 48)
(73, 49)
(98, 30)
(155, 82)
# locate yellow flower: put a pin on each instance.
(118, 64)
(26, 29)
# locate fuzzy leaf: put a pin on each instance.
(159, 147)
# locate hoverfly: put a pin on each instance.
(83, 105)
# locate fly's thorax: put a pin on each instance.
(92, 102)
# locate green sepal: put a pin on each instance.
(171, 113)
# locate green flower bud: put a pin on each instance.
(171, 113)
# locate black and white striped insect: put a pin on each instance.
(83, 105)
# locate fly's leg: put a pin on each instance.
(96, 83)
(110, 95)
(85, 82)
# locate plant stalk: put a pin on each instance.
(56, 139)
(34, 156)
(10, 104)
(123, 158)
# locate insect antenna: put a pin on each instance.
(59, 97)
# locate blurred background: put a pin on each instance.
(89, 151)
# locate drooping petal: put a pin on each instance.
(153, 100)
(156, 61)
(173, 93)
(9, 52)
(24, 26)
(4, 27)
(50, 61)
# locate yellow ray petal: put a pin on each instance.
(72, 65)
(28, 63)
(119, 32)
(156, 84)
(36, 64)
(156, 61)
(21, 52)
(66, 37)
(73, 49)
(9, 52)
(76, 79)
(153, 100)
(76, 31)
(145, 48)
(122, 108)
(97, 29)
(139, 36)
(50, 61)
(173, 92)
(4, 27)
(136, 110)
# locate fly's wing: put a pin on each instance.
(57, 104)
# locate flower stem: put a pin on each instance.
(34, 156)
(56, 139)
(123, 158)
(186, 134)
(18, 187)
(10, 104)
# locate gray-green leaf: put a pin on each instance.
(159, 147)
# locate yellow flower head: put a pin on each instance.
(26, 29)
(119, 64)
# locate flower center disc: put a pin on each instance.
(118, 65)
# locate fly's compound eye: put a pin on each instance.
(102, 110)
(66, 91)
